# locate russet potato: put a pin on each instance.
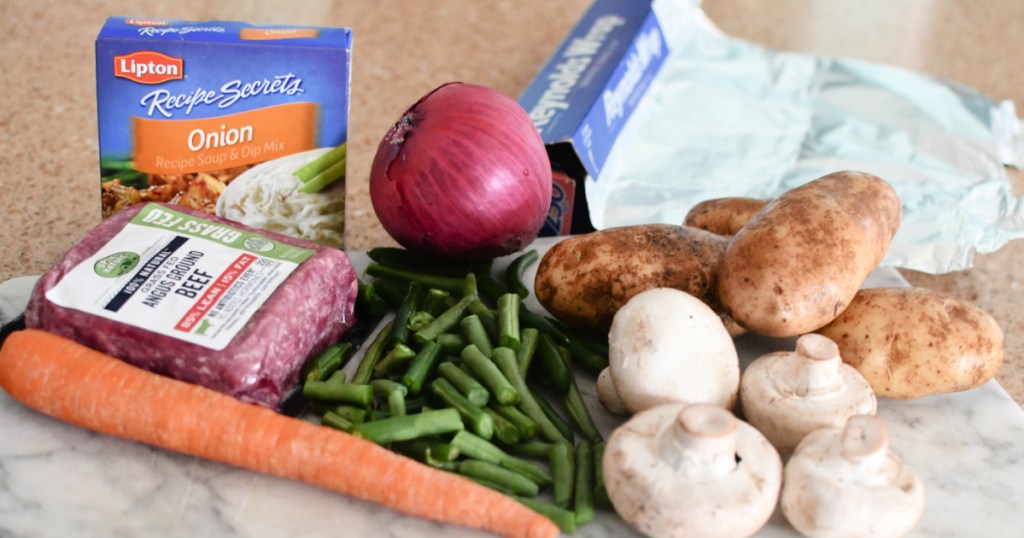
(914, 342)
(724, 216)
(799, 261)
(583, 280)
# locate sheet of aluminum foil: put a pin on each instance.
(726, 117)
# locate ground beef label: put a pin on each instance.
(181, 276)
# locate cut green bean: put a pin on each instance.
(355, 415)
(554, 416)
(504, 430)
(384, 387)
(476, 335)
(419, 319)
(398, 357)
(394, 393)
(400, 332)
(528, 338)
(556, 372)
(527, 426)
(451, 343)
(336, 421)
(490, 375)
(434, 302)
(442, 323)
(396, 404)
(515, 271)
(427, 280)
(529, 318)
(497, 474)
(479, 422)
(563, 474)
(364, 372)
(325, 179)
(450, 466)
(583, 490)
(328, 361)
(490, 289)
(492, 485)
(474, 446)
(580, 415)
(469, 285)
(353, 393)
(441, 451)
(467, 384)
(339, 376)
(389, 430)
(527, 402)
(422, 366)
(588, 358)
(538, 450)
(427, 449)
(487, 317)
(508, 321)
(601, 499)
(368, 298)
(561, 517)
(322, 163)
(390, 290)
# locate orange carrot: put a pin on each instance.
(73, 383)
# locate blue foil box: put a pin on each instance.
(586, 92)
(183, 106)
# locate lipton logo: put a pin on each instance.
(146, 22)
(148, 67)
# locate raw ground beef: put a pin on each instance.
(309, 311)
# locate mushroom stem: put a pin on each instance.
(865, 441)
(706, 434)
(817, 371)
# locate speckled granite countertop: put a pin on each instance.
(403, 49)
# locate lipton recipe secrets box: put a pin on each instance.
(186, 107)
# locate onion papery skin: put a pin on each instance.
(463, 174)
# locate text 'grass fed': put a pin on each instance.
(185, 107)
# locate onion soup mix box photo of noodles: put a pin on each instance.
(186, 107)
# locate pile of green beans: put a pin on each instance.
(451, 381)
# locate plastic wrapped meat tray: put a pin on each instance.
(307, 312)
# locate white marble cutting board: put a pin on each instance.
(59, 480)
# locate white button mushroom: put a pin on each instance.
(666, 346)
(607, 394)
(844, 482)
(691, 470)
(787, 395)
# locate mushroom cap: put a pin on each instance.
(844, 482)
(666, 346)
(679, 470)
(607, 395)
(789, 394)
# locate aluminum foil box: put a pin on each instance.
(185, 107)
(588, 89)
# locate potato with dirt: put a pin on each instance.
(798, 263)
(724, 216)
(914, 342)
(583, 280)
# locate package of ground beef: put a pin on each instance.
(199, 298)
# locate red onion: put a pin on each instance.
(463, 174)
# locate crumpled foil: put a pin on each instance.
(726, 117)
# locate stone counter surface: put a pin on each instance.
(48, 183)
